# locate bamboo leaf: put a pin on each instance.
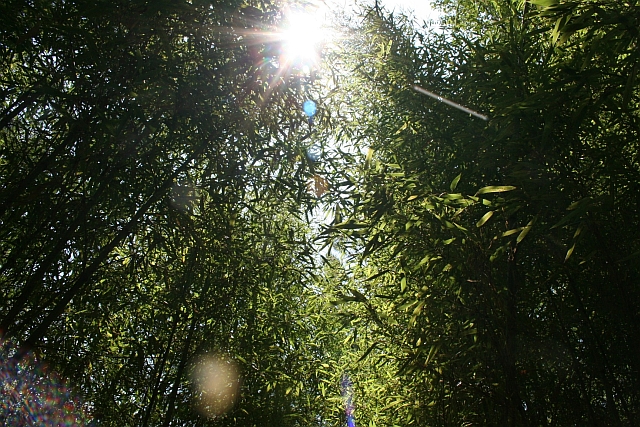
(482, 221)
(432, 352)
(366, 353)
(495, 189)
(455, 181)
(524, 232)
(570, 251)
(350, 226)
(543, 3)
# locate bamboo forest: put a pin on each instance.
(330, 213)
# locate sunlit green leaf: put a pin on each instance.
(570, 251)
(524, 232)
(484, 218)
(455, 181)
(495, 189)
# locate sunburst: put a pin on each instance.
(291, 48)
(302, 38)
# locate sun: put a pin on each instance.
(292, 49)
(303, 35)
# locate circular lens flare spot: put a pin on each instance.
(314, 152)
(216, 381)
(309, 108)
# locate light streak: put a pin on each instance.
(450, 103)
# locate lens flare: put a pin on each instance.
(302, 38)
(309, 108)
(184, 197)
(346, 388)
(216, 381)
(314, 153)
(31, 396)
(450, 103)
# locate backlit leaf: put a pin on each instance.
(484, 218)
(495, 189)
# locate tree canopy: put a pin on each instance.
(498, 260)
(162, 183)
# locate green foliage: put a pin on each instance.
(498, 281)
(153, 181)
(156, 202)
